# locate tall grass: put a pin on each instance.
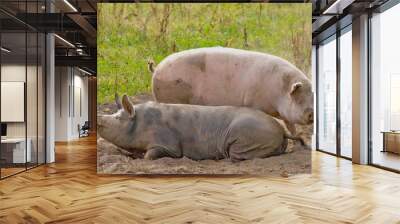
(129, 34)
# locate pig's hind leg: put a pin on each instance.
(250, 142)
(157, 152)
(246, 150)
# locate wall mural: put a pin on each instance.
(204, 89)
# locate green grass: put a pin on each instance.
(129, 34)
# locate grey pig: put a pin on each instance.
(193, 131)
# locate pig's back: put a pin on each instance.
(219, 76)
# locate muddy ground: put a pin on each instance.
(113, 160)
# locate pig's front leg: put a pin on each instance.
(291, 128)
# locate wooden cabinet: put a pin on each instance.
(391, 142)
(13, 151)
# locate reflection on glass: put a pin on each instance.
(14, 153)
(386, 89)
(346, 94)
(22, 92)
(31, 99)
(41, 98)
(394, 102)
(327, 96)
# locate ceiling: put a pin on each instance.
(74, 22)
(331, 15)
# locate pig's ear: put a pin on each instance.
(118, 101)
(128, 106)
(295, 87)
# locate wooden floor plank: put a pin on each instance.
(70, 191)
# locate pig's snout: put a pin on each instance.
(309, 116)
(100, 120)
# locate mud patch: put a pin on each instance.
(112, 161)
(198, 61)
(176, 91)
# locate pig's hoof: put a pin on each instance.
(285, 174)
(289, 150)
(235, 160)
(154, 153)
(150, 157)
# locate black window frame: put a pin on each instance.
(334, 36)
(30, 29)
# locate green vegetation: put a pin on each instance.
(130, 34)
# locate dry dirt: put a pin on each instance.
(114, 160)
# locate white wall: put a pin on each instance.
(33, 127)
(14, 73)
(61, 106)
(70, 83)
(79, 117)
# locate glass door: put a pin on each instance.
(326, 60)
(14, 153)
(385, 89)
(346, 92)
(22, 101)
(32, 98)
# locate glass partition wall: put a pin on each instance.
(385, 89)
(334, 105)
(13, 85)
(22, 98)
(334, 95)
(345, 62)
(327, 95)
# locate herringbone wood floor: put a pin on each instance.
(70, 191)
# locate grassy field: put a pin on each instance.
(130, 34)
